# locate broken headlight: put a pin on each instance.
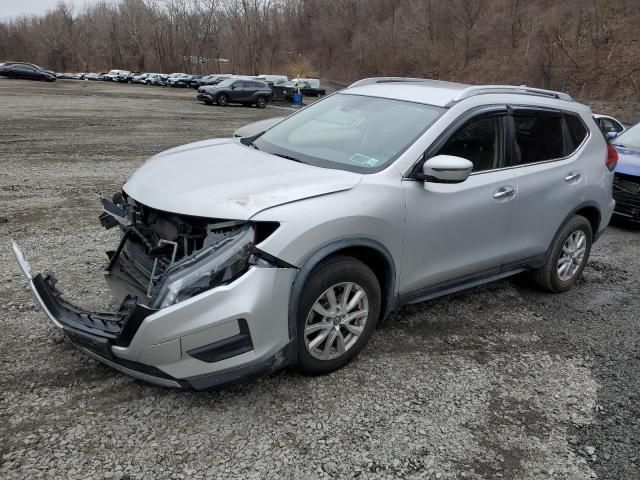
(213, 265)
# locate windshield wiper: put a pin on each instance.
(288, 157)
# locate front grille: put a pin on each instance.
(626, 190)
(140, 266)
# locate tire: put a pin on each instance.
(222, 100)
(261, 102)
(318, 350)
(575, 235)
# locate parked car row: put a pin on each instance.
(221, 89)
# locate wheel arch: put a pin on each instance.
(591, 212)
(588, 210)
(370, 252)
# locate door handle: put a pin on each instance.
(573, 177)
(504, 193)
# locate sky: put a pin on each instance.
(13, 8)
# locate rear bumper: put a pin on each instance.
(230, 333)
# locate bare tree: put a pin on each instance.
(467, 15)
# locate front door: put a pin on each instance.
(455, 232)
(240, 92)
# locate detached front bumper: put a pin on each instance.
(226, 334)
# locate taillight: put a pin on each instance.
(612, 157)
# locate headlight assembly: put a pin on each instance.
(214, 265)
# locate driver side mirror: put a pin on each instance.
(446, 169)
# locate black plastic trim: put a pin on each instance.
(470, 281)
(226, 348)
(314, 259)
(98, 328)
(573, 212)
(243, 374)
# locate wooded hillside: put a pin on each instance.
(590, 48)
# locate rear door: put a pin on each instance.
(549, 174)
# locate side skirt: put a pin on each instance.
(457, 285)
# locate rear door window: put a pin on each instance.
(538, 136)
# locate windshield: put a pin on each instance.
(226, 83)
(630, 138)
(350, 132)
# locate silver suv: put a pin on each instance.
(240, 256)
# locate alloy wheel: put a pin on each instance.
(572, 255)
(336, 321)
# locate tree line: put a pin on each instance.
(574, 45)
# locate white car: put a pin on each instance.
(610, 126)
(112, 75)
(140, 78)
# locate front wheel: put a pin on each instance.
(567, 256)
(222, 100)
(261, 102)
(338, 310)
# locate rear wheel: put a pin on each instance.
(337, 312)
(222, 100)
(261, 102)
(567, 256)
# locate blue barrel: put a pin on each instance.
(297, 98)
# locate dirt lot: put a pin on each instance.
(498, 382)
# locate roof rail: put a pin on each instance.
(372, 80)
(521, 90)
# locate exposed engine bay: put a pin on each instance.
(164, 257)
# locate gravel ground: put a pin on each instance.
(497, 382)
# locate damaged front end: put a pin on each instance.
(162, 259)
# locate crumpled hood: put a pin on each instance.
(628, 160)
(225, 179)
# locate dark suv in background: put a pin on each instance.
(247, 92)
(27, 71)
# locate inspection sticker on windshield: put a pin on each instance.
(364, 160)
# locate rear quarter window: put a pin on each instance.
(576, 129)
